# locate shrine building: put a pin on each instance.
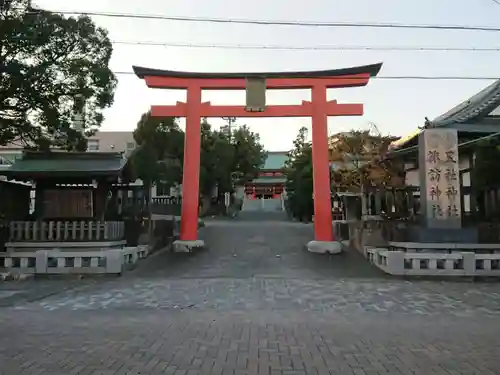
(270, 182)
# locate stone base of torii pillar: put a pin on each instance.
(181, 246)
(324, 247)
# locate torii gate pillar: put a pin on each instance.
(319, 108)
(323, 228)
(191, 169)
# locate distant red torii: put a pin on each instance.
(319, 108)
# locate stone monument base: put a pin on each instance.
(442, 235)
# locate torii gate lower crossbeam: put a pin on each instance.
(319, 108)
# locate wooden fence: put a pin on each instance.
(65, 231)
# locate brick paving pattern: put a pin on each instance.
(254, 303)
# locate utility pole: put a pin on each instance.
(79, 113)
(79, 102)
(228, 128)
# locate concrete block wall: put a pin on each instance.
(55, 262)
(401, 263)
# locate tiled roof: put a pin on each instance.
(67, 164)
(275, 160)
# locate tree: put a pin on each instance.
(299, 178)
(159, 152)
(224, 159)
(158, 155)
(46, 62)
(249, 155)
(216, 161)
(228, 158)
(360, 157)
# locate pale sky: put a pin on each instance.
(396, 107)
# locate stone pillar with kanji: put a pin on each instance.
(440, 183)
(440, 189)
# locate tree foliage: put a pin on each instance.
(299, 178)
(249, 155)
(46, 60)
(228, 159)
(159, 152)
(216, 161)
(360, 158)
(225, 160)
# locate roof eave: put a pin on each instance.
(12, 174)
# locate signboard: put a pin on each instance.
(255, 94)
(440, 187)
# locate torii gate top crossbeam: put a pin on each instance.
(169, 79)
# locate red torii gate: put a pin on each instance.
(319, 108)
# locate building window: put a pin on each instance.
(93, 145)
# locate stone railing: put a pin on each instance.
(113, 261)
(445, 247)
(66, 231)
(401, 263)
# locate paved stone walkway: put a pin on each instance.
(242, 249)
(255, 302)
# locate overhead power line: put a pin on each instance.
(283, 47)
(309, 48)
(378, 25)
(402, 77)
